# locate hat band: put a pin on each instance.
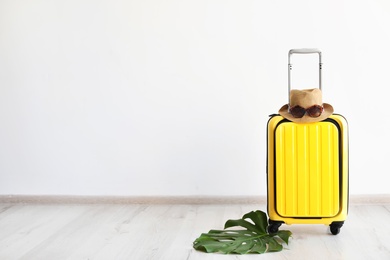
(313, 111)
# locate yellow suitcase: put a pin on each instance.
(307, 172)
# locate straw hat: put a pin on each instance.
(306, 98)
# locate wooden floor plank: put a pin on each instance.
(164, 231)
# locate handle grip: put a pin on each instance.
(303, 51)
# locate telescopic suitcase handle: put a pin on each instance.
(303, 51)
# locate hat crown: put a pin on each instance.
(305, 98)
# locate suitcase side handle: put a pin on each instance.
(303, 51)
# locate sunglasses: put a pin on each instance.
(313, 111)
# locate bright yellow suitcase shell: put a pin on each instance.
(307, 172)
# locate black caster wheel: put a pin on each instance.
(334, 230)
(335, 227)
(273, 227)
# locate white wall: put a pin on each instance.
(172, 97)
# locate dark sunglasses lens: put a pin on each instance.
(297, 111)
(314, 111)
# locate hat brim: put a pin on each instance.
(328, 110)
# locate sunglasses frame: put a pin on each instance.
(309, 111)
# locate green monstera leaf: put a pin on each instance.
(254, 239)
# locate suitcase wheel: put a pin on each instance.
(335, 227)
(273, 226)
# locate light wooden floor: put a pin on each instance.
(142, 231)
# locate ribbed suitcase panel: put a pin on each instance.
(307, 170)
